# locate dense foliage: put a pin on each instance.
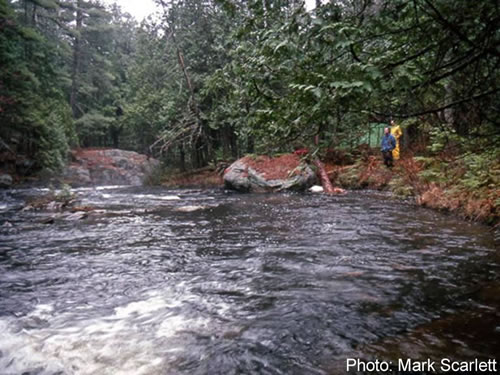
(214, 79)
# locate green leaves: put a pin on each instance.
(283, 44)
(255, 74)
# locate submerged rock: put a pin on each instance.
(54, 206)
(108, 167)
(76, 216)
(266, 174)
(5, 181)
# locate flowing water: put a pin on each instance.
(190, 282)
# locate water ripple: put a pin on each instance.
(267, 284)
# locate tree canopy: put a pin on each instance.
(214, 79)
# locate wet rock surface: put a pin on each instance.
(267, 174)
(5, 181)
(108, 167)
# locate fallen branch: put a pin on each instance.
(325, 181)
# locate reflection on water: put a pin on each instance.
(190, 282)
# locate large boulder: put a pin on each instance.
(267, 174)
(108, 167)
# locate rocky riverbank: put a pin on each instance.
(96, 166)
(86, 167)
(446, 185)
(413, 178)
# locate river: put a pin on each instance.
(159, 281)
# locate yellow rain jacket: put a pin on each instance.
(397, 133)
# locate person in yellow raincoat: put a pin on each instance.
(397, 133)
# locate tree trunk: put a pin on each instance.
(251, 144)
(325, 181)
(182, 157)
(115, 135)
(225, 141)
(234, 144)
(75, 68)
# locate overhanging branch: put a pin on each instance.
(439, 109)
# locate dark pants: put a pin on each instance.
(388, 160)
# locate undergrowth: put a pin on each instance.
(466, 184)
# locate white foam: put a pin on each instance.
(42, 311)
(160, 197)
(190, 208)
(110, 187)
(144, 196)
(140, 307)
(171, 326)
(129, 340)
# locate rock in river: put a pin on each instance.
(5, 180)
(267, 174)
(108, 167)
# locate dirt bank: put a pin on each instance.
(431, 182)
(203, 178)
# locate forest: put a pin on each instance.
(213, 80)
